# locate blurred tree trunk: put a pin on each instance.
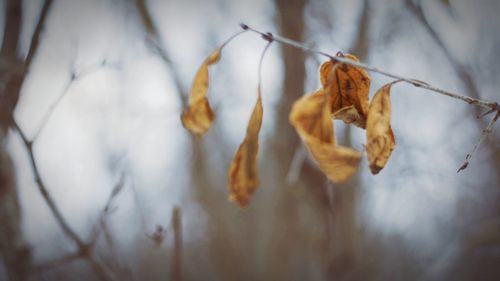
(298, 210)
(343, 235)
(345, 238)
(14, 251)
(222, 246)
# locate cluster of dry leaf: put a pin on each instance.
(343, 96)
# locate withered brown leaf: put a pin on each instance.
(242, 174)
(349, 87)
(198, 116)
(311, 117)
(350, 115)
(380, 141)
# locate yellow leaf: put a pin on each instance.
(348, 86)
(198, 117)
(242, 174)
(380, 141)
(311, 117)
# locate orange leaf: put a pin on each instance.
(348, 86)
(198, 117)
(242, 174)
(380, 141)
(310, 116)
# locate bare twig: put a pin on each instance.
(83, 248)
(177, 259)
(101, 222)
(45, 193)
(35, 38)
(154, 41)
(74, 76)
(490, 105)
(484, 135)
(112, 260)
(414, 82)
(461, 70)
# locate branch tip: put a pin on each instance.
(463, 167)
(244, 26)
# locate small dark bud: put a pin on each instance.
(268, 37)
(244, 26)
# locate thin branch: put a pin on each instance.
(177, 259)
(83, 249)
(101, 222)
(414, 82)
(45, 193)
(490, 105)
(102, 227)
(75, 76)
(483, 136)
(35, 39)
(154, 41)
(461, 70)
(112, 260)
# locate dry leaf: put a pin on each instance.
(380, 141)
(242, 174)
(348, 86)
(350, 115)
(198, 117)
(311, 117)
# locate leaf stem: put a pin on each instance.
(262, 59)
(232, 37)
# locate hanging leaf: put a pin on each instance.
(242, 174)
(380, 141)
(311, 117)
(350, 115)
(198, 117)
(349, 87)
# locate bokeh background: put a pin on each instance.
(99, 98)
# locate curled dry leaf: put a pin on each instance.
(350, 115)
(242, 174)
(198, 117)
(349, 87)
(380, 141)
(311, 117)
